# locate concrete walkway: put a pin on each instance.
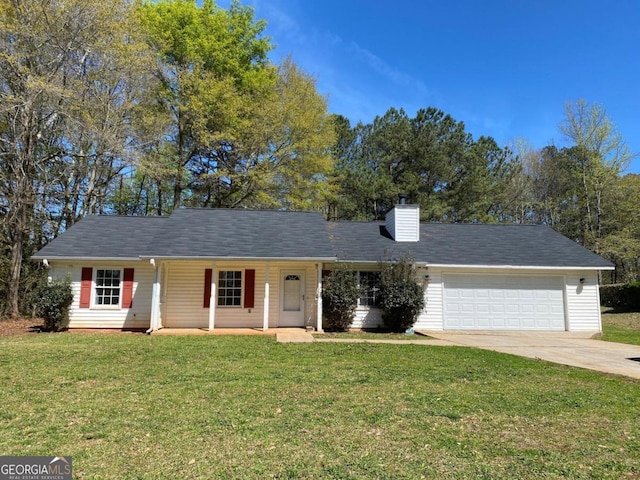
(568, 348)
(294, 335)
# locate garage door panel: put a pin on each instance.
(484, 322)
(482, 308)
(507, 302)
(467, 308)
(498, 308)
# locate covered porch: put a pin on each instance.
(244, 296)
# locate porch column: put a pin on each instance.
(213, 298)
(265, 314)
(319, 297)
(163, 275)
(155, 297)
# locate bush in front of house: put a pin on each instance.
(340, 295)
(621, 296)
(52, 304)
(402, 297)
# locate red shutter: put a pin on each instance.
(85, 287)
(127, 288)
(249, 288)
(207, 288)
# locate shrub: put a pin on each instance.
(340, 295)
(621, 296)
(54, 300)
(402, 297)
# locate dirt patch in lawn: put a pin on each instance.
(19, 326)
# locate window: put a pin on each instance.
(230, 288)
(370, 283)
(107, 287)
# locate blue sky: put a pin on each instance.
(505, 68)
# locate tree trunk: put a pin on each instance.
(13, 294)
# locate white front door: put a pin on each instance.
(292, 296)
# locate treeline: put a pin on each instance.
(138, 108)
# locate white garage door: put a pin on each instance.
(503, 302)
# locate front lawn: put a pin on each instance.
(370, 335)
(134, 406)
(621, 327)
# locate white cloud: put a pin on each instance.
(396, 76)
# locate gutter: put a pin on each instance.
(492, 267)
(82, 259)
(232, 259)
(516, 267)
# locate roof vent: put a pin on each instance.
(402, 199)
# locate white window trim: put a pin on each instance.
(94, 291)
(361, 305)
(242, 285)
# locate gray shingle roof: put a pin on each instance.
(104, 236)
(196, 233)
(271, 234)
(465, 244)
(234, 233)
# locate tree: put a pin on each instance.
(518, 198)
(476, 192)
(67, 72)
(594, 164)
(211, 63)
(621, 237)
(240, 131)
(278, 159)
(588, 126)
(431, 158)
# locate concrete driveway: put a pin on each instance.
(569, 348)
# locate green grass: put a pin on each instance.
(621, 327)
(134, 406)
(370, 335)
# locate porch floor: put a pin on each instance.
(227, 331)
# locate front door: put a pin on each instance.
(292, 298)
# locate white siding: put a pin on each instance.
(390, 222)
(138, 316)
(183, 303)
(367, 317)
(583, 304)
(431, 316)
(184, 295)
(403, 223)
